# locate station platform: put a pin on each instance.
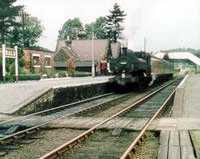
(180, 133)
(187, 99)
(13, 96)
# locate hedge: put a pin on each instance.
(23, 77)
(81, 74)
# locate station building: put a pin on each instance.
(38, 61)
(81, 52)
(183, 61)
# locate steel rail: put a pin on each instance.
(129, 152)
(70, 144)
(23, 133)
(57, 108)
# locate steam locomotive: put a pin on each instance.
(139, 68)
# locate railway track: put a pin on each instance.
(163, 97)
(100, 145)
(52, 110)
(36, 121)
(6, 144)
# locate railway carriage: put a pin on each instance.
(161, 69)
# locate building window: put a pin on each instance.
(47, 61)
(35, 60)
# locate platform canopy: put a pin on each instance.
(179, 56)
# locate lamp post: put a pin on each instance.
(16, 63)
(93, 65)
(4, 61)
(144, 44)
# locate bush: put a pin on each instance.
(23, 77)
(81, 74)
(9, 77)
(62, 74)
(49, 74)
(12, 69)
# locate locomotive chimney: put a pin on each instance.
(124, 50)
(124, 47)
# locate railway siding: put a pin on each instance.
(127, 110)
(179, 137)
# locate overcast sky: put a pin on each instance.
(165, 24)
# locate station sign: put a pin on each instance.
(10, 53)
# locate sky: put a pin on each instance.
(165, 24)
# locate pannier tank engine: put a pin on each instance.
(131, 67)
(139, 68)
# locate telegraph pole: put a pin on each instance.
(93, 65)
(23, 20)
(4, 61)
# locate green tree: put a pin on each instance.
(88, 30)
(99, 29)
(32, 31)
(113, 23)
(26, 34)
(70, 28)
(15, 36)
(8, 14)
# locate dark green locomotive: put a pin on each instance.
(138, 67)
(131, 67)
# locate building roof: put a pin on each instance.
(60, 44)
(41, 50)
(77, 63)
(185, 55)
(180, 56)
(70, 52)
(83, 49)
(159, 55)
